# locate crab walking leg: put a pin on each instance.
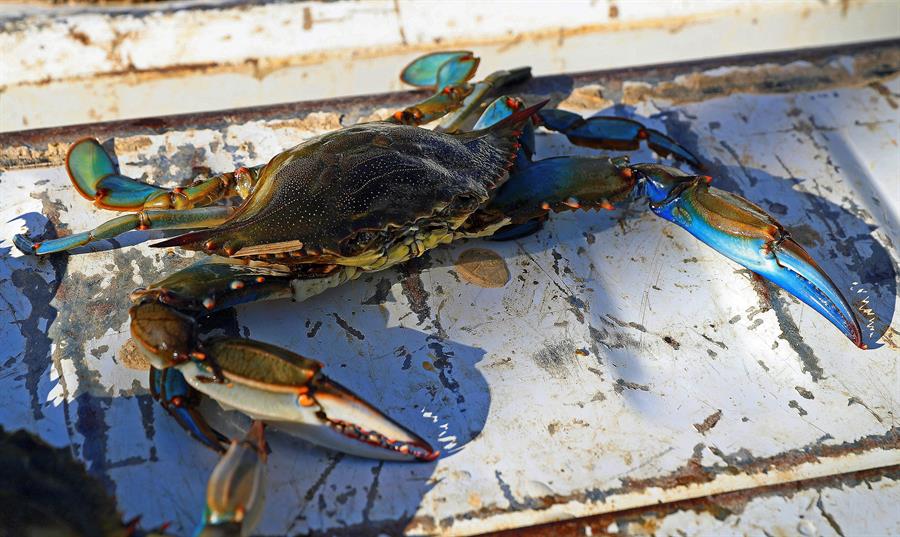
(481, 92)
(604, 132)
(445, 73)
(563, 183)
(216, 283)
(235, 493)
(167, 219)
(265, 382)
(431, 70)
(97, 178)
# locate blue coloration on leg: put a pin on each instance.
(169, 387)
(604, 132)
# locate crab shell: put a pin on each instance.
(367, 196)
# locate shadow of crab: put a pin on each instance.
(573, 272)
(78, 320)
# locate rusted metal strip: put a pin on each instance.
(811, 69)
(743, 475)
(645, 520)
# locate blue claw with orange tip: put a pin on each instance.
(728, 223)
(743, 232)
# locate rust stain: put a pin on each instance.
(767, 79)
(132, 358)
(26, 156)
(640, 520)
(588, 97)
(709, 422)
(889, 338)
(884, 92)
(132, 144)
(482, 267)
(613, 11)
(785, 71)
(312, 122)
(695, 473)
(307, 18)
(80, 36)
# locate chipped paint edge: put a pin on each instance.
(721, 484)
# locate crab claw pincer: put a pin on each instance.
(746, 234)
(267, 383)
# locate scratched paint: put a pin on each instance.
(624, 364)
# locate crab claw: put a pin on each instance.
(288, 392)
(356, 427)
(746, 234)
(235, 492)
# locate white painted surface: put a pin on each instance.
(522, 417)
(79, 65)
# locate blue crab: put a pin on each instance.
(370, 196)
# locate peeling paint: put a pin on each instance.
(580, 388)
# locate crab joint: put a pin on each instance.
(143, 221)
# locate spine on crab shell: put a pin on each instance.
(194, 240)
